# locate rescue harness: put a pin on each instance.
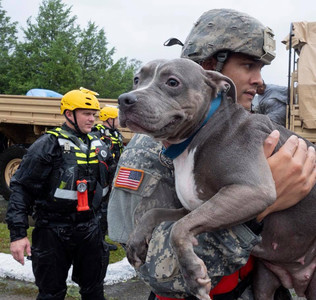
(114, 138)
(81, 163)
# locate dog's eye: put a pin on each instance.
(136, 80)
(172, 82)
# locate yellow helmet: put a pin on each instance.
(108, 112)
(82, 98)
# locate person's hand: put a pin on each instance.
(293, 170)
(18, 247)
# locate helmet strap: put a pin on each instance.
(75, 124)
(111, 125)
(221, 57)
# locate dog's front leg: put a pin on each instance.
(233, 204)
(193, 269)
(137, 243)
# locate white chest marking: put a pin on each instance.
(184, 179)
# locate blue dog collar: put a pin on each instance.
(174, 150)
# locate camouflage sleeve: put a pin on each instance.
(154, 188)
(120, 215)
(223, 252)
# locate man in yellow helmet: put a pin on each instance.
(108, 131)
(62, 182)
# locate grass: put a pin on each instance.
(29, 289)
(115, 256)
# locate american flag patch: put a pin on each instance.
(129, 178)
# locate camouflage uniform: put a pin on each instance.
(217, 33)
(127, 205)
(223, 252)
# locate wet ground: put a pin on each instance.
(10, 289)
(130, 290)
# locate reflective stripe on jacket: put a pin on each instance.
(112, 137)
(80, 161)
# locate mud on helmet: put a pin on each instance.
(219, 32)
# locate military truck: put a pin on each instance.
(22, 120)
(301, 109)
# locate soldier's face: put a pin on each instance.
(246, 74)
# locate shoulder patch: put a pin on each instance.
(129, 178)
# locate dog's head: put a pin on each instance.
(171, 98)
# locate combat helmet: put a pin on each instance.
(222, 31)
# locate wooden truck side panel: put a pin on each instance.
(23, 118)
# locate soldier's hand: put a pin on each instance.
(293, 169)
(18, 248)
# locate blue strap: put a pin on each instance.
(174, 150)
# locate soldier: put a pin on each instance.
(238, 46)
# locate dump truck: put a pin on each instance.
(23, 119)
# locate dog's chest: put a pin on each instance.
(186, 186)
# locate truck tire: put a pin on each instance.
(10, 160)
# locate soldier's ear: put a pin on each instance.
(221, 83)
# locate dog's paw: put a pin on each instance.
(203, 291)
(196, 278)
(134, 260)
(136, 252)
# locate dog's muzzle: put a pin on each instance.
(126, 101)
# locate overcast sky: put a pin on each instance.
(138, 28)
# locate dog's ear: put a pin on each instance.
(221, 83)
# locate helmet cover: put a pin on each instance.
(227, 30)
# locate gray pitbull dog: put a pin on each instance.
(222, 176)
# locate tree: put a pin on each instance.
(99, 73)
(93, 56)
(48, 57)
(118, 79)
(8, 39)
(56, 54)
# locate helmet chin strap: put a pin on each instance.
(221, 58)
(111, 125)
(75, 124)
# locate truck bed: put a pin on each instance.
(39, 111)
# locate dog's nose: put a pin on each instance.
(126, 100)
